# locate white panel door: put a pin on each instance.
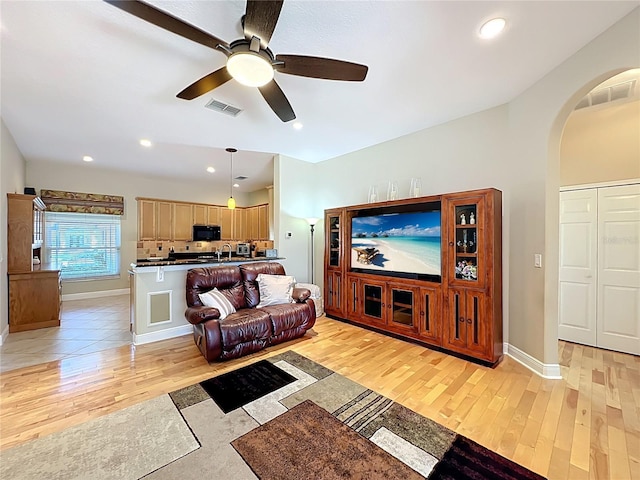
(618, 318)
(578, 266)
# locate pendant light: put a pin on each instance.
(231, 203)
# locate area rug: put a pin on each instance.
(234, 389)
(320, 426)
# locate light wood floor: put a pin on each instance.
(583, 426)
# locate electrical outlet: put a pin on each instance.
(537, 260)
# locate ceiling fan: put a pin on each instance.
(249, 59)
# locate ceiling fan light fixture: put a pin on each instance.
(250, 69)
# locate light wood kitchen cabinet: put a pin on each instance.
(252, 223)
(213, 215)
(240, 225)
(146, 220)
(263, 222)
(199, 214)
(227, 224)
(164, 220)
(182, 221)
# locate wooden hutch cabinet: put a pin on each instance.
(459, 310)
(34, 291)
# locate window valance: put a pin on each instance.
(59, 201)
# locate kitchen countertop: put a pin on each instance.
(207, 260)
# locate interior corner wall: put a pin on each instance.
(601, 144)
(91, 179)
(294, 200)
(12, 180)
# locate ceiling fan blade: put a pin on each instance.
(205, 84)
(260, 20)
(317, 67)
(168, 22)
(276, 99)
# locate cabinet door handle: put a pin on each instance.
(461, 320)
(451, 244)
(469, 321)
(421, 313)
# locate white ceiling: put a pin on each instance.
(85, 78)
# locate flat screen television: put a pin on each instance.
(399, 241)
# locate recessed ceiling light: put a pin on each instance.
(211, 169)
(235, 185)
(145, 143)
(297, 125)
(87, 158)
(492, 28)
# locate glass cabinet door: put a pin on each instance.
(466, 243)
(334, 240)
(403, 307)
(372, 301)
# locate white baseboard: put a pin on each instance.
(545, 370)
(101, 293)
(4, 334)
(162, 334)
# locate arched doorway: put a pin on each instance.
(604, 99)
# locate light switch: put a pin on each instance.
(537, 260)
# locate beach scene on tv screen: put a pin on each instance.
(401, 242)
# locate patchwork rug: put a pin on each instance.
(301, 420)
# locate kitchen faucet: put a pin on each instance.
(230, 249)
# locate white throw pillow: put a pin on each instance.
(215, 298)
(275, 289)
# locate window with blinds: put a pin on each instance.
(82, 246)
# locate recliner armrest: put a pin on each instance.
(196, 315)
(300, 295)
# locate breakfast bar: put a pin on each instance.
(158, 294)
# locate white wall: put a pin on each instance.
(294, 200)
(89, 179)
(601, 144)
(12, 180)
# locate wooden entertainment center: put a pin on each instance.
(459, 312)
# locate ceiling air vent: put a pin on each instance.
(241, 177)
(608, 94)
(221, 107)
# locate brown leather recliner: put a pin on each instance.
(249, 329)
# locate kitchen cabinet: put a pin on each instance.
(240, 223)
(164, 220)
(199, 214)
(227, 224)
(146, 220)
(263, 222)
(182, 222)
(213, 215)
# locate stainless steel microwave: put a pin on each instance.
(206, 233)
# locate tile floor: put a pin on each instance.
(86, 326)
